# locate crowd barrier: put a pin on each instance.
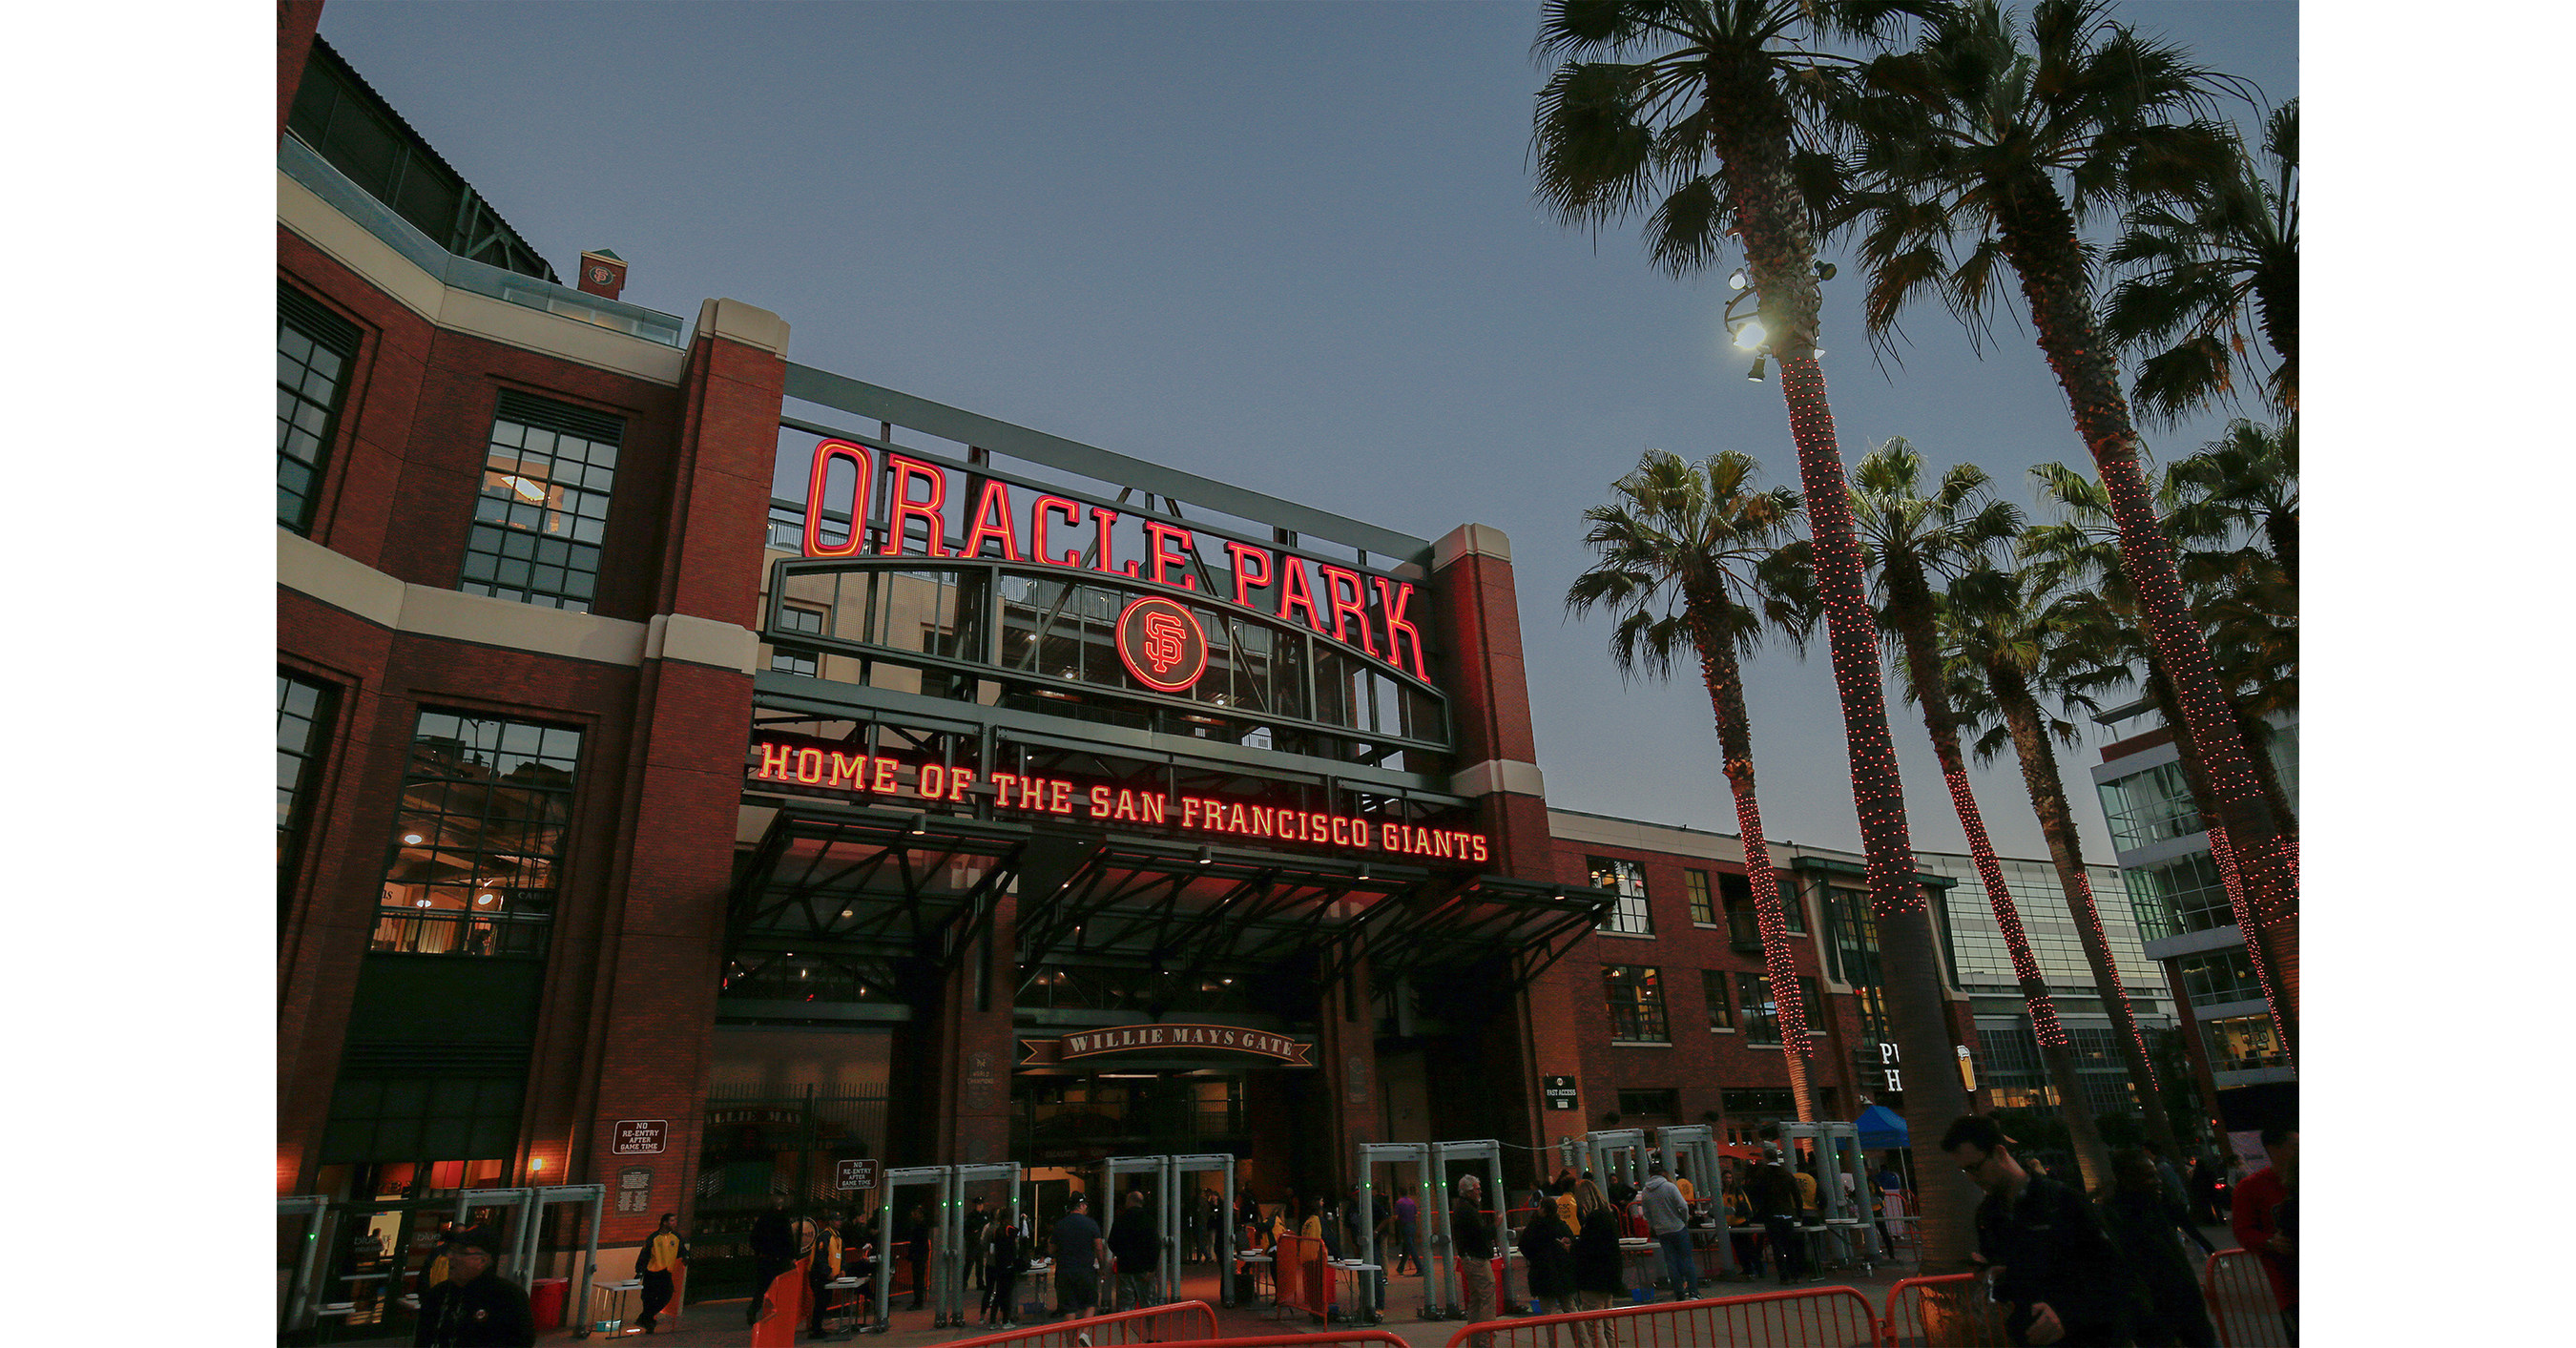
(2241, 1303)
(1305, 1279)
(1348, 1338)
(1950, 1311)
(1811, 1317)
(1177, 1322)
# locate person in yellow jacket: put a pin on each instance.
(823, 1264)
(655, 1266)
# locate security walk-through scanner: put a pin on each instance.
(1168, 1197)
(1445, 1155)
(1844, 1215)
(1399, 1154)
(952, 1253)
(1691, 1150)
(942, 1179)
(299, 1261)
(1616, 1151)
(527, 1209)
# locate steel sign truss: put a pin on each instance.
(870, 886)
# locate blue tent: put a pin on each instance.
(1881, 1127)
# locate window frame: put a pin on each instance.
(1648, 1009)
(512, 536)
(322, 330)
(1615, 922)
(1720, 996)
(296, 817)
(506, 931)
(1703, 896)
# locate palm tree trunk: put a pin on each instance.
(1749, 125)
(2259, 942)
(1725, 680)
(1912, 614)
(2039, 240)
(2057, 824)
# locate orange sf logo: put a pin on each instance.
(1163, 644)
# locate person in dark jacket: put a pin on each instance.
(475, 1307)
(1596, 1264)
(773, 1251)
(2145, 1223)
(1137, 1250)
(662, 1252)
(1473, 1237)
(2055, 1267)
(1002, 1260)
(1774, 1194)
(914, 1236)
(1549, 1247)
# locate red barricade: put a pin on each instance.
(1348, 1338)
(1940, 1312)
(1304, 1280)
(1179, 1322)
(1811, 1317)
(2241, 1302)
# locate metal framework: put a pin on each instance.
(944, 1178)
(870, 886)
(1844, 1217)
(1530, 924)
(1192, 909)
(1443, 1156)
(1417, 1155)
(952, 1254)
(1697, 1143)
(525, 1205)
(1200, 1163)
(299, 1288)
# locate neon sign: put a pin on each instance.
(1359, 612)
(1161, 643)
(868, 774)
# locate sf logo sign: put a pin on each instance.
(1161, 643)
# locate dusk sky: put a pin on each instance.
(1289, 246)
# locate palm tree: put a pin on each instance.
(2196, 268)
(2005, 645)
(1977, 152)
(1910, 539)
(1703, 134)
(1695, 557)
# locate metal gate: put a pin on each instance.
(760, 1147)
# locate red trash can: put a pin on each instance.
(546, 1302)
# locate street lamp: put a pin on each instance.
(1744, 322)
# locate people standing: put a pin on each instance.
(1596, 1263)
(2146, 1223)
(1668, 1221)
(978, 1230)
(474, 1307)
(859, 1254)
(2262, 1202)
(1473, 1235)
(1775, 1204)
(1137, 1248)
(654, 1264)
(1002, 1260)
(1548, 1245)
(1079, 1253)
(914, 1235)
(823, 1264)
(1408, 1225)
(2055, 1267)
(1739, 1222)
(773, 1251)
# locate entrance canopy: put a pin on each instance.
(1881, 1127)
(870, 887)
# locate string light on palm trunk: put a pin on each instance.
(1990, 873)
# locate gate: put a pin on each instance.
(760, 1146)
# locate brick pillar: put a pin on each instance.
(662, 942)
(1477, 615)
(977, 1051)
(1346, 1056)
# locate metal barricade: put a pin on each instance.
(2241, 1303)
(1349, 1338)
(1174, 1322)
(1950, 1311)
(1305, 1275)
(1811, 1317)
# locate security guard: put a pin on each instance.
(475, 1307)
(653, 1265)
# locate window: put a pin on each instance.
(2179, 897)
(314, 350)
(1793, 907)
(1631, 917)
(486, 804)
(2149, 807)
(2241, 1043)
(1636, 996)
(794, 619)
(374, 1118)
(1760, 1018)
(2216, 977)
(544, 505)
(1662, 1104)
(303, 718)
(1721, 1012)
(1854, 931)
(1703, 907)
(1811, 1001)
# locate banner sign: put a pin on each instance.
(1367, 613)
(1161, 1040)
(818, 764)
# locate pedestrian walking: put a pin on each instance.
(1003, 1257)
(2208, 1188)
(2148, 1225)
(1668, 1221)
(2062, 1279)
(1408, 1227)
(1473, 1236)
(1775, 1204)
(2257, 1218)
(773, 1251)
(978, 1230)
(1548, 1244)
(1079, 1253)
(475, 1307)
(654, 1265)
(1137, 1248)
(1596, 1264)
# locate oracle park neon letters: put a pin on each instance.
(1366, 614)
(813, 765)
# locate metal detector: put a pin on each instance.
(1417, 1155)
(1443, 1155)
(944, 1179)
(1697, 1143)
(952, 1254)
(1199, 1165)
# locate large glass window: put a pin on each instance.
(1630, 916)
(2241, 1043)
(303, 721)
(1811, 1003)
(315, 348)
(2217, 977)
(486, 806)
(1703, 905)
(1793, 906)
(2181, 896)
(1852, 929)
(2149, 807)
(1721, 1010)
(1650, 1104)
(1756, 1012)
(1636, 996)
(543, 511)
